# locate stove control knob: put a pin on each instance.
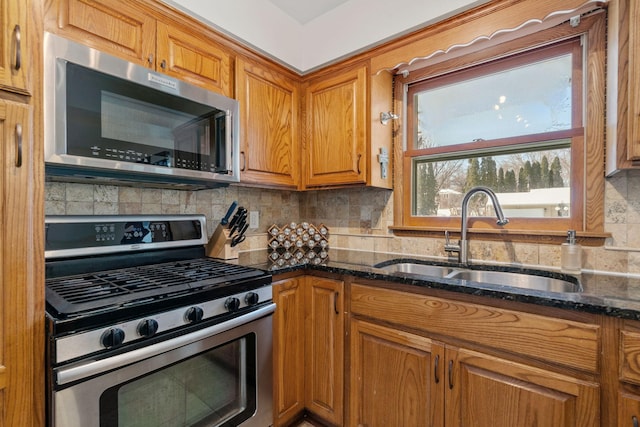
(232, 304)
(194, 314)
(148, 328)
(112, 337)
(251, 298)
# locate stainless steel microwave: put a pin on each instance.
(111, 121)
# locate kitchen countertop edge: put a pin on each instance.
(618, 300)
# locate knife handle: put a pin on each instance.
(225, 219)
(243, 229)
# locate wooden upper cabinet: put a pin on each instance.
(623, 90)
(269, 147)
(381, 131)
(14, 43)
(633, 124)
(116, 27)
(328, 136)
(196, 60)
(336, 129)
(128, 30)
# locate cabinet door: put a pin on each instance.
(335, 151)
(380, 164)
(21, 270)
(269, 134)
(14, 44)
(485, 391)
(116, 27)
(634, 77)
(396, 378)
(288, 351)
(628, 410)
(196, 60)
(324, 348)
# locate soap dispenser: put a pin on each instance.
(571, 254)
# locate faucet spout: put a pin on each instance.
(502, 220)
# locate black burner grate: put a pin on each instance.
(134, 285)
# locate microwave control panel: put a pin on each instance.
(164, 158)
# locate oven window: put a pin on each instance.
(214, 388)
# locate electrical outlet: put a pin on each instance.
(254, 219)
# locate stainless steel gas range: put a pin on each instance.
(144, 330)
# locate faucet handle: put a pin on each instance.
(448, 246)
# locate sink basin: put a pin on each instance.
(417, 269)
(517, 280)
(489, 277)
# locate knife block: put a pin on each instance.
(219, 245)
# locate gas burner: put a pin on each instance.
(78, 294)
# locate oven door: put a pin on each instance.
(217, 376)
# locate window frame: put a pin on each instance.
(587, 197)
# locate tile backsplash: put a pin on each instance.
(86, 199)
(357, 217)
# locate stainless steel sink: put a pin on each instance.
(517, 280)
(488, 277)
(417, 269)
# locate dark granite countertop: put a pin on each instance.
(608, 294)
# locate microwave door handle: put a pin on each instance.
(229, 141)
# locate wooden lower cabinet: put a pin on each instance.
(407, 367)
(288, 347)
(396, 378)
(628, 410)
(402, 379)
(485, 391)
(308, 345)
(21, 268)
(324, 348)
(629, 376)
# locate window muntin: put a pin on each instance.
(558, 118)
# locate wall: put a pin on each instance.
(357, 218)
(83, 199)
(304, 46)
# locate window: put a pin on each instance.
(513, 118)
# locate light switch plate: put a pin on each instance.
(254, 219)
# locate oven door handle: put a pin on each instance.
(94, 367)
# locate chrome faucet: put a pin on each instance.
(462, 248)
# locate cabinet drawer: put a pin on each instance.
(630, 357)
(559, 341)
